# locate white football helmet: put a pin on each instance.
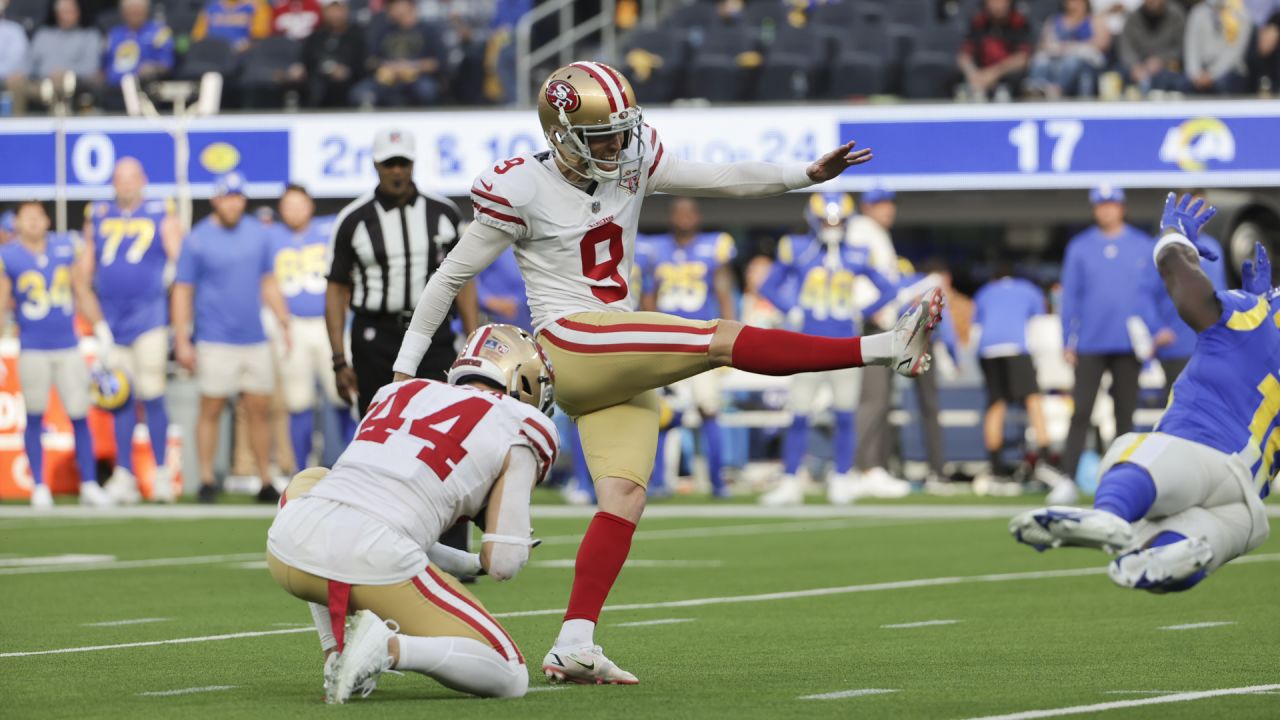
(590, 99)
(507, 357)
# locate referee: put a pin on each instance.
(385, 246)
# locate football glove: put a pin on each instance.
(1255, 273)
(1188, 217)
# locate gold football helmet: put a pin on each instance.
(590, 99)
(507, 357)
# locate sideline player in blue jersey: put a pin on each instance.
(814, 282)
(129, 242)
(37, 275)
(1179, 502)
(298, 246)
(688, 273)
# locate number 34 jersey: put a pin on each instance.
(1228, 397)
(575, 246)
(427, 453)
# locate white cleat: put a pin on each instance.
(1059, 526)
(331, 674)
(912, 334)
(1161, 569)
(577, 497)
(878, 483)
(843, 488)
(162, 486)
(122, 487)
(584, 666)
(41, 497)
(988, 485)
(363, 660)
(1062, 489)
(789, 492)
(92, 495)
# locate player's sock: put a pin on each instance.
(1169, 537)
(658, 478)
(157, 427)
(301, 425)
(1127, 491)
(85, 461)
(35, 450)
(463, 664)
(794, 444)
(715, 454)
(845, 441)
(782, 352)
(603, 551)
(125, 420)
(320, 616)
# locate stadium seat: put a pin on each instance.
(791, 64)
(106, 20)
(208, 55)
(654, 61)
(930, 70)
(697, 14)
(181, 19)
(30, 14)
(862, 65)
(264, 62)
(721, 64)
(765, 13)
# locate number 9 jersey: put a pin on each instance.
(558, 227)
(130, 259)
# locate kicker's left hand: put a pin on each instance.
(837, 161)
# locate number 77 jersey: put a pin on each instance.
(427, 453)
(575, 246)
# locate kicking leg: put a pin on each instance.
(1125, 495)
(1177, 552)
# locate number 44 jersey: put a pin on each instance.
(575, 246)
(427, 454)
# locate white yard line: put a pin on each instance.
(842, 694)
(153, 643)
(569, 563)
(187, 691)
(131, 564)
(39, 560)
(922, 623)
(1122, 704)
(664, 621)
(1197, 626)
(118, 623)
(547, 688)
(726, 531)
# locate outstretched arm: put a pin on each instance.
(1177, 258)
(507, 534)
(751, 179)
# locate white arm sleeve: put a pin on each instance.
(510, 540)
(741, 179)
(478, 247)
(458, 563)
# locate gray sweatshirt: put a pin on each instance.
(1207, 48)
(78, 50)
(1141, 40)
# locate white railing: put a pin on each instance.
(565, 44)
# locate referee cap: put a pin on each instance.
(393, 143)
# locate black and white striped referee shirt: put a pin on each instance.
(387, 252)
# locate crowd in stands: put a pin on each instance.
(422, 53)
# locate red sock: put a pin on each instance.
(600, 557)
(779, 352)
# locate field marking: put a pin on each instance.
(253, 565)
(727, 531)
(646, 623)
(1170, 692)
(1197, 626)
(842, 694)
(922, 623)
(54, 560)
(1121, 704)
(187, 691)
(569, 563)
(694, 602)
(118, 623)
(547, 688)
(131, 564)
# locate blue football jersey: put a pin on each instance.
(683, 276)
(130, 259)
(816, 286)
(1228, 397)
(42, 292)
(300, 265)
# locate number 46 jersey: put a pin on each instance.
(427, 453)
(575, 246)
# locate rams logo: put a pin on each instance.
(220, 157)
(1197, 141)
(563, 96)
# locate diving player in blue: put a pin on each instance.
(1183, 500)
(298, 247)
(816, 282)
(37, 277)
(688, 273)
(129, 243)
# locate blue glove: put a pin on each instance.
(1188, 217)
(1255, 274)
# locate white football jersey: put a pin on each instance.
(576, 249)
(427, 454)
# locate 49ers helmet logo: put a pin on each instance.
(563, 96)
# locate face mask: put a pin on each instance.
(831, 235)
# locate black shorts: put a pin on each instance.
(1010, 379)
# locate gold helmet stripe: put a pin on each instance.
(612, 89)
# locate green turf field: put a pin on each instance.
(761, 635)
